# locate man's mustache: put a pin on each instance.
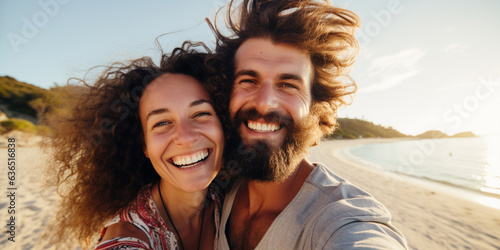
(270, 117)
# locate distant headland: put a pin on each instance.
(356, 128)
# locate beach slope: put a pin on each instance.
(430, 216)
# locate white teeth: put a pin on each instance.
(262, 127)
(186, 161)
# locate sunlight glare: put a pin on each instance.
(492, 170)
(489, 201)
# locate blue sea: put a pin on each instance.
(470, 163)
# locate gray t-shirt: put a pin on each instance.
(327, 213)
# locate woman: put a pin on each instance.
(138, 154)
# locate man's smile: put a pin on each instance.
(263, 127)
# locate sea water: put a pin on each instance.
(471, 163)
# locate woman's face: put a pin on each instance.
(182, 133)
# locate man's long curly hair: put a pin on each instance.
(98, 160)
(320, 30)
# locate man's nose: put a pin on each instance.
(265, 98)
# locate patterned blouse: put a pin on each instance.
(144, 214)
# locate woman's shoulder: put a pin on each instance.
(123, 235)
(125, 243)
(129, 226)
(139, 211)
(137, 223)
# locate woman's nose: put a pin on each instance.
(185, 133)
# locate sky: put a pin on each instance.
(422, 65)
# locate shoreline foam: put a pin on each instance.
(484, 198)
(480, 185)
(430, 217)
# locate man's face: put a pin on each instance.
(269, 108)
(274, 82)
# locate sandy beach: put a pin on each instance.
(33, 205)
(429, 217)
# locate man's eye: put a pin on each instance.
(288, 85)
(247, 81)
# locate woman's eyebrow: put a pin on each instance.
(165, 110)
(199, 102)
(157, 112)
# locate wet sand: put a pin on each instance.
(430, 215)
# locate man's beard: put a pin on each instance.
(259, 161)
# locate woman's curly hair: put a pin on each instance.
(97, 150)
(322, 31)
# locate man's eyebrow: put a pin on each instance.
(253, 73)
(246, 72)
(287, 76)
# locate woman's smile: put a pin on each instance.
(191, 160)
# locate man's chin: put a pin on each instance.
(270, 161)
(269, 144)
(272, 141)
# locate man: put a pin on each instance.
(290, 61)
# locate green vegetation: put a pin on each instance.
(465, 134)
(18, 95)
(55, 101)
(432, 134)
(17, 124)
(24, 101)
(356, 128)
(436, 134)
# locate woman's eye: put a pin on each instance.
(159, 124)
(201, 114)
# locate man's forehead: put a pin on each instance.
(259, 52)
(262, 46)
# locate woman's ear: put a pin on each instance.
(145, 150)
(144, 146)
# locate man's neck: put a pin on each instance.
(257, 205)
(275, 196)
